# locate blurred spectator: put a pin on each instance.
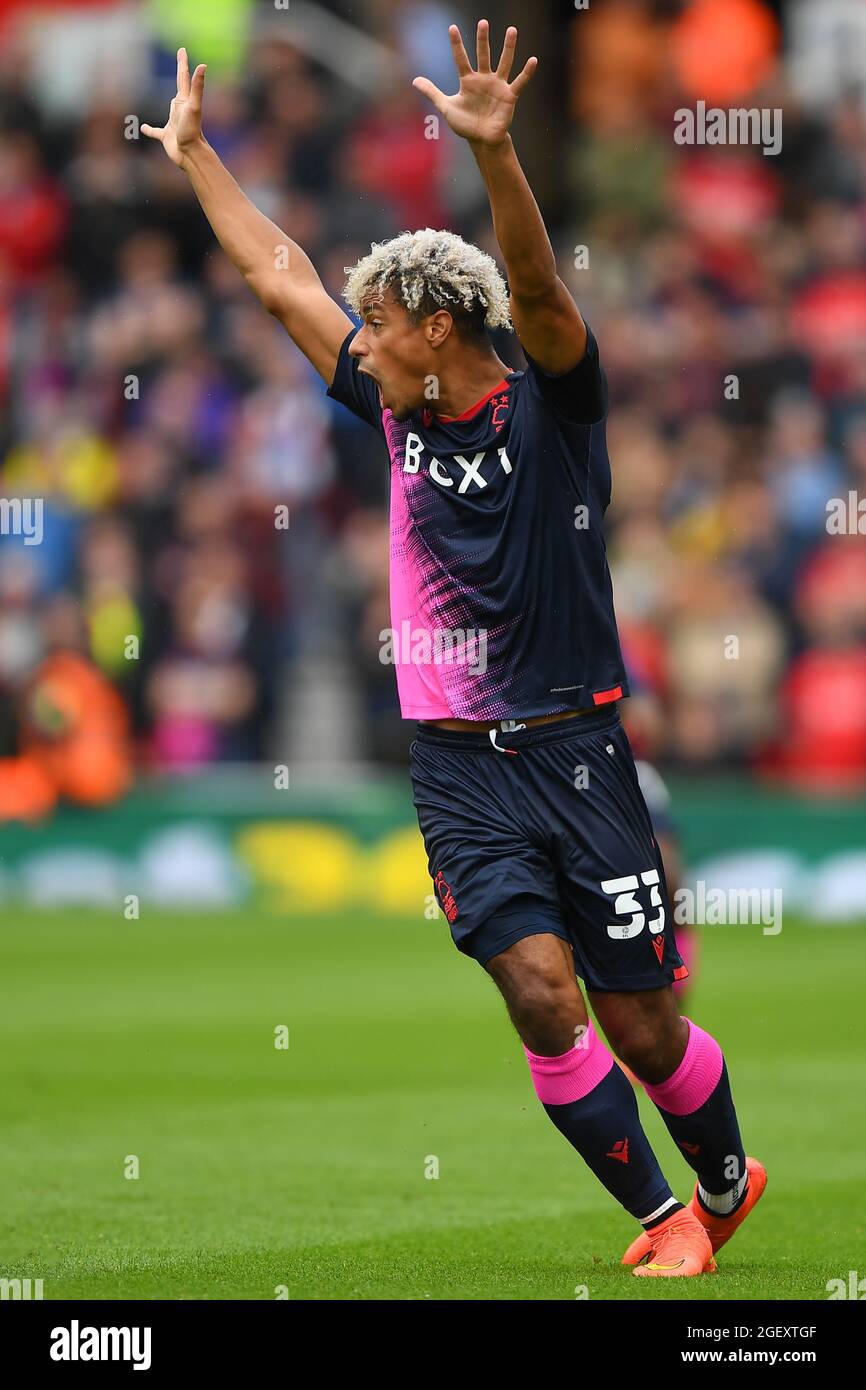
(163, 419)
(802, 470)
(74, 727)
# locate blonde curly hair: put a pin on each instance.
(430, 270)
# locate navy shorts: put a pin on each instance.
(550, 835)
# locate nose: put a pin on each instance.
(357, 347)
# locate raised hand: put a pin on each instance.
(183, 129)
(483, 109)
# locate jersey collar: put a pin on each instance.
(428, 416)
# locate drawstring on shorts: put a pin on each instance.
(506, 726)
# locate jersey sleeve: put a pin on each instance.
(354, 390)
(579, 395)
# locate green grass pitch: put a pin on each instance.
(304, 1168)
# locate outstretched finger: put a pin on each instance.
(482, 46)
(153, 132)
(197, 87)
(461, 59)
(182, 73)
(430, 90)
(523, 77)
(507, 57)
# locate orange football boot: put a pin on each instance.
(718, 1228)
(680, 1246)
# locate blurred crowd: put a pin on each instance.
(165, 622)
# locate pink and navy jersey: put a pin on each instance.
(501, 600)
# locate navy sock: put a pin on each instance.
(707, 1134)
(602, 1122)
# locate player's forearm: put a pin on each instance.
(517, 221)
(273, 265)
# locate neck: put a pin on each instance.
(467, 381)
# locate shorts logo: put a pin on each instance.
(446, 897)
(659, 945)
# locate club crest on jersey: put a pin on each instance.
(463, 474)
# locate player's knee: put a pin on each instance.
(652, 1048)
(547, 1010)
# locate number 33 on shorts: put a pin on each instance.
(627, 904)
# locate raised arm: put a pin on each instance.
(545, 317)
(275, 267)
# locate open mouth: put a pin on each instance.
(378, 387)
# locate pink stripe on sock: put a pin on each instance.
(696, 1077)
(572, 1075)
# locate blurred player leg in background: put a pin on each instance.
(643, 718)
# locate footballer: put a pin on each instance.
(538, 838)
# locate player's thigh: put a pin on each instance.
(536, 969)
(612, 880)
(536, 978)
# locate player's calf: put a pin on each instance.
(577, 1080)
(684, 1074)
(645, 1030)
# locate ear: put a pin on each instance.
(437, 327)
